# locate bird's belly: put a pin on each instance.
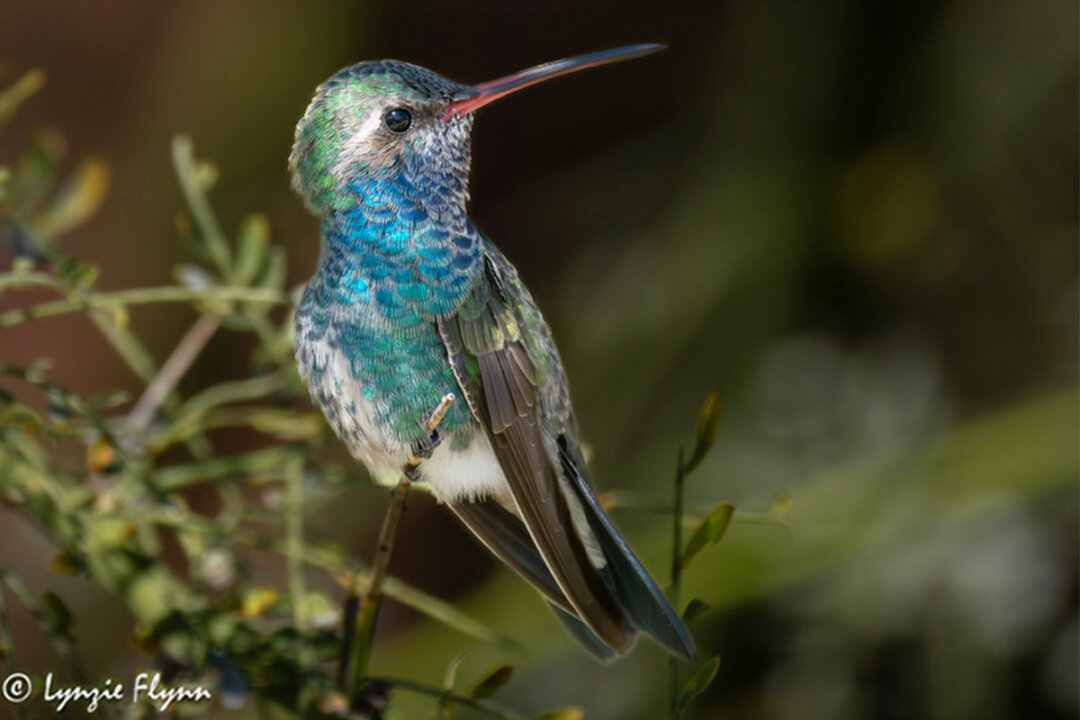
(462, 467)
(352, 415)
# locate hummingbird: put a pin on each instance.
(410, 302)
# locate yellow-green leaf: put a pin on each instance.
(67, 563)
(77, 200)
(492, 681)
(452, 669)
(698, 682)
(781, 505)
(570, 713)
(709, 532)
(257, 600)
(251, 249)
(705, 434)
(12, 97)
(60, 620)
(273, 275)
(695, 609)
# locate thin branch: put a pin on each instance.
(356, 648)
(176, 477)
(294, 538)
(170, 373)
(676, 580)
(187, 172)
(142, 296)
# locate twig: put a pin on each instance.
(676, 581)
(272, 459)
(356, 648)
(194, 189)
(169, 375)
(294, 538)
(141, 296)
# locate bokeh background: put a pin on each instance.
(855, 220)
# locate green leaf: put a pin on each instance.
(492, 681)
(709, 532)
(257, 600)
(12, 97)
(695, 609)
(35, 172)
(452, 669)
(107, 400)
(77, 200)
(446, 705)
(273, 275)
(781, 505)
(317, 611)
(196, 178)
(570, 713)
(705, 434)
(251, 249)
(698, 682)
(59, 619)
(67, 563)
(77, 273)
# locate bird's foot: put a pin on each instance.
(425, 446)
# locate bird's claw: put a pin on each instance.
(426, 445)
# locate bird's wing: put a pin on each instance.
(506, 537)
(503, 312)
(498, 377)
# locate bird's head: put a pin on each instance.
(381, 119)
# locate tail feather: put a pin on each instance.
(634, 588)
(584, 636)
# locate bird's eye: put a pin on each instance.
(397, 120)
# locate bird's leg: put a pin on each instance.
(356, 648)
(425, 446)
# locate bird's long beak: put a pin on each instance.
(480, 95)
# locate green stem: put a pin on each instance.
(177, 477)
(229, 392)
(294, 539)
(676, 580)
(190, 184)
(362, 639)
(141, 296)
(356, 650)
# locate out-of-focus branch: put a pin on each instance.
(174, 368)
(142, 296)
(356, 648)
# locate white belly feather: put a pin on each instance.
(468, 474)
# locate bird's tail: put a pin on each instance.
(632, 586)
